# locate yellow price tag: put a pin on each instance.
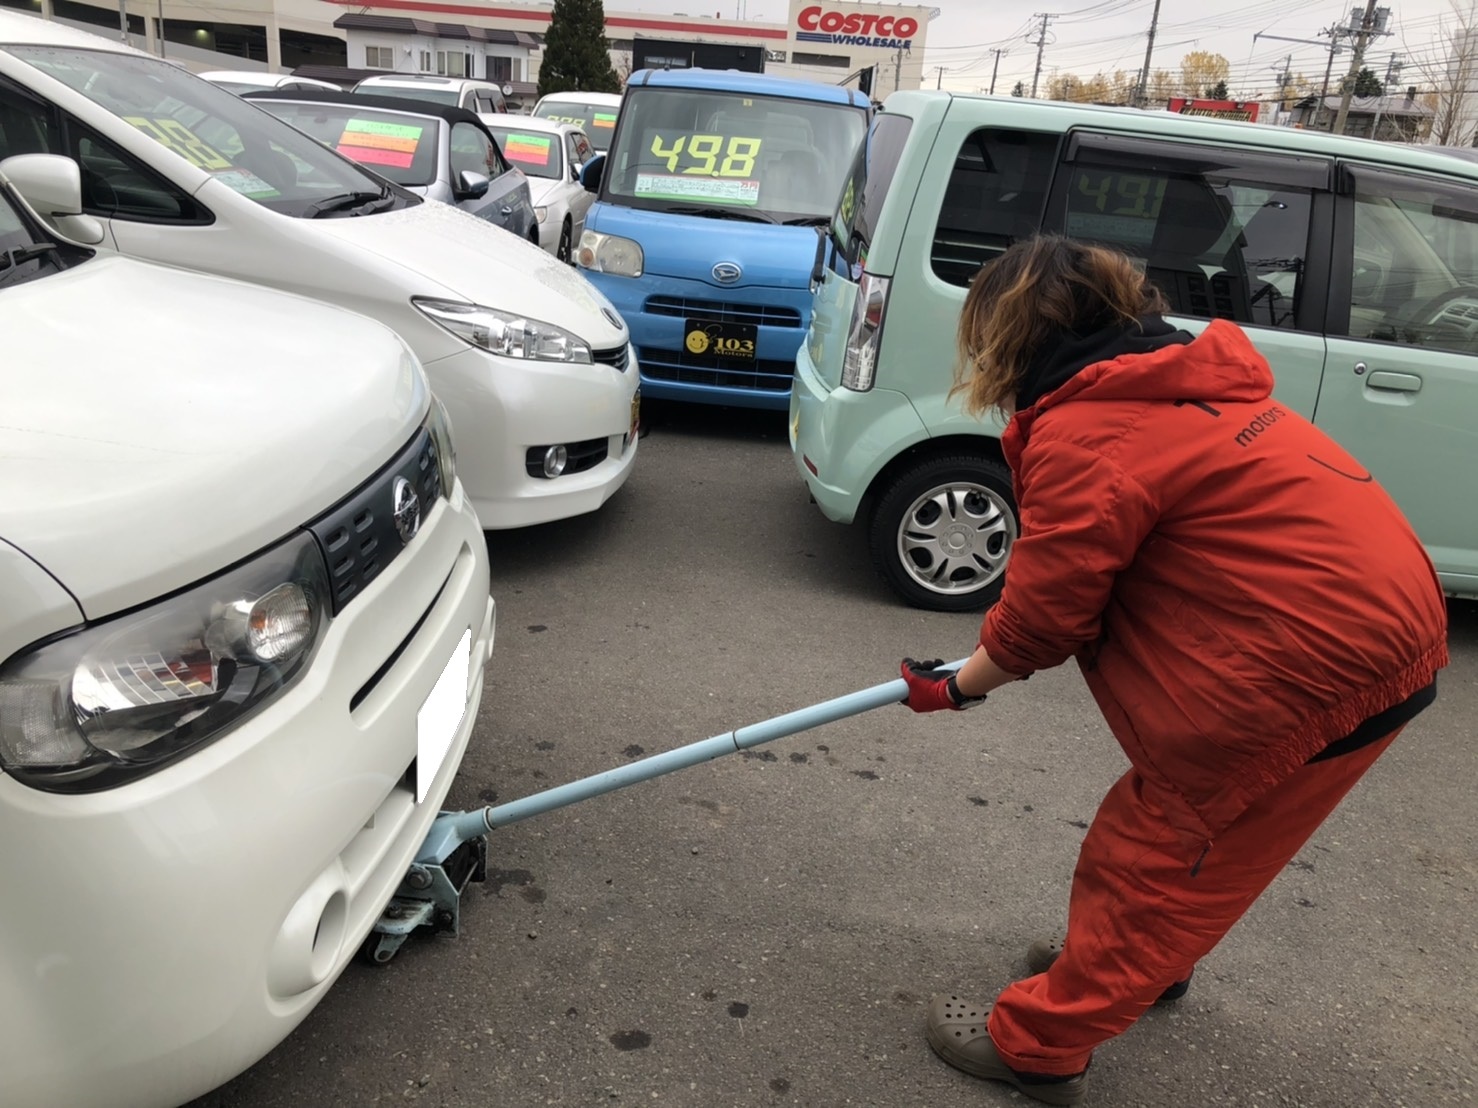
(179, 138)
(707, 155)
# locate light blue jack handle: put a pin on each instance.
(451, 829)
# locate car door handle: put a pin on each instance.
(1394, 382)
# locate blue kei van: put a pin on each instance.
(704, 230)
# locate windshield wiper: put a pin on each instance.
(747, 215)
(365, 201)
(809, 221)
(16, 256)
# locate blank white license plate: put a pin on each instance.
(440, 716)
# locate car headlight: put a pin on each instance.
(610, 254)
(440, 426)
(541, 214)
(119, 699)
(512, 336)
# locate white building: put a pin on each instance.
(825, 40)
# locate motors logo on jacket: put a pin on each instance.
(886, 32)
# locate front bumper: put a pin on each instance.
(671, 372)
(162, 937)
(502, 407)
(848, 436)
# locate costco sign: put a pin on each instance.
(886, 32)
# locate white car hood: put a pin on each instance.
(478, 263)
(160, 425)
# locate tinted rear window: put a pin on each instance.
(867, 187)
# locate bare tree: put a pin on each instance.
(1450, 68)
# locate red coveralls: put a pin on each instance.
(1239, 593)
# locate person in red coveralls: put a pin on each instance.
(1253, 614)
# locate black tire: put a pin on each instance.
(958, 500)
(564, 250)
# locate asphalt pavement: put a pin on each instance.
(766, 929)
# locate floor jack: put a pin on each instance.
(455, 850)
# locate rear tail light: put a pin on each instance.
(859, 363)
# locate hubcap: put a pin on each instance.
(955, 538)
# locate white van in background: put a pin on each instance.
(244, 619)
(533, 364)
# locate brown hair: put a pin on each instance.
(1038, 289)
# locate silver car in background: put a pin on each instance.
(441, 153)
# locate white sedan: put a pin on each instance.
(551, 156)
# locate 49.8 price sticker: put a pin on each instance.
(706, 155)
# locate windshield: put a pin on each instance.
(411, 92)
(244, 149)
(536, 153)
(760, 157)
(400, 147)
(598, 121)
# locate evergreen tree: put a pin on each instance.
(576, 57)
(1366, 84)
(1019, 89)
(1218, 91)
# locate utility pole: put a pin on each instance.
(1141, 92)
(898, 70)
(995, 67)
(939, 77)
(1285, 78)
(123, 21)
(1334, 33)
(1041, 42)
(1367, 30)
(1393, 70)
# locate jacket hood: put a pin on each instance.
(1219, 364)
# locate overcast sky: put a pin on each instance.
(1084, 37)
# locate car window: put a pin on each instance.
(534, 152)
(1223, 234)
(246, 150)
(574, 150)
(783, 159)
(583, 150)
(866, 187)
(116, 185)
(597, 121)
(398, 146)
(113, 183)
(409, 92)
(1413, 261)
(473, 151)
(994, 197)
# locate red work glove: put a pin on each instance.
(928, 686)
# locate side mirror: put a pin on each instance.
(593, 172)
(52, 186)
(471, 186)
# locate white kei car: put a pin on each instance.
(551, 156)
(244, 621)
(534, 365)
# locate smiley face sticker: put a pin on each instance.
(697, 342)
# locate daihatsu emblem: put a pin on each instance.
(726, 273)
(405, 509)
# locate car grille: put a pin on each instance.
(358, 537)
(763, 375)
(620, 357)
(758, 315)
